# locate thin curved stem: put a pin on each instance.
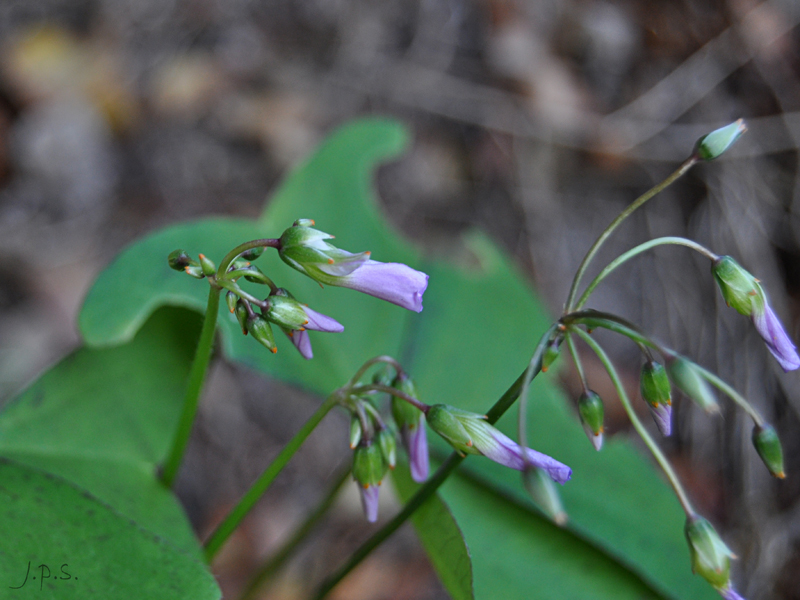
(376, 387)
(687, 164)
(373, 361)
(232, 286)
(231, 256)
(573, 350)
(662, 241)
(274, 564)
(197, 376)
(231, 275)
(637, 424)
(248, 501)
(594, 318)
(430, 487)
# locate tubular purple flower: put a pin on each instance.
(729, 593)
(771, 330)
(507, 452)
(662, 415)
(316, 322)
(369, 501)
(394, 282)
(416, 442)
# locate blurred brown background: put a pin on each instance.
(535, 121)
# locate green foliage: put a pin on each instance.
(80, 450)
(624, 520)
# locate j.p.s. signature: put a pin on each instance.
(44, 573)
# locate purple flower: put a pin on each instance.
(470, 433)
(394, 282)
(369, 501)
(771, 330)
(729, 593)
(662, 415)
(316, 322)
(416, 442)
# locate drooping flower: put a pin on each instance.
(369, 468)
(307, 250)
(411, 422)
(662, 416)
(470, 433)
(711, 557)
(296, 320)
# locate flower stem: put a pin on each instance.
(274, 564)
(732, 394)
(637, 424)
(249, 500)
(231, 256)
(573, 350)
(376, 387)
(678, 241)
(687, 164)
(232, 286)
(373, 361)
(197, 376)
(430, 487)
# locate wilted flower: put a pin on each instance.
(773, 334)
(369, 467)
(296, 319)
(655, 389)
(307, 250)
(469, 433)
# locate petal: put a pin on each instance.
(770, 329)
(301, 341)
(394, 282)
(507, 452)
(344, 262)
(729, 593)
(416, 442)
(369, 501)
(319, 322)
(662, 415)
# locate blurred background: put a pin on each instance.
(534, 121)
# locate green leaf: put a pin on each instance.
(440, 536)
(59, 541)
(98, 423)
(472, 340)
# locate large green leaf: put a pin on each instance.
(97, 424)
(59, 541)
(473, 338)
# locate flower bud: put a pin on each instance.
(404, 413)
(550, 354)
(209, 268)
(195, 271)
(543, 491)
(179, 260)
(654, 384)
(710, 556)
(253, 253)
(261, 331)
(356, 431)
(590, 408)
(687, 377)
(714, 144)
(739, 288)
(768, 446)
(231, 299)
(369, 465)
(253, 274)
(241, 316)
(441, 419)
(388, 444)
(285, 312)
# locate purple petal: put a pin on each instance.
(301, 341)
(597, 440)
(770, 329)
(369, 501)
(394, 282)
(729, 593)
(416, 442)
(508, 453)
(662, 415)
(345, 264)
(319, 322)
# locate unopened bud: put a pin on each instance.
(543, 491)
(231, 299)
(388, 445)
(405, 414)
(590, 408)
(253, 253)
(739, 288)
(654, 384)
(209, 268)
(253, 274)
(768, 446)
(710, 556)
(261, 331)
(179, 260)
(551, 354)
(356, 431)
(286, 312)
(241, 315)
(685, 374)
(369, 465)
(441, 419)
(195, 271)
(714, 144)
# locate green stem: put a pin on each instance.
(678, 241)
(274, 564)
(197, 376)
(594, 318)
(231, 256)
(637, 424)
(373, 361)
(687, 164)
(732, 394)
(376, 387)
(430, 487)
(573, 350)
(234, 518)
(232, 286)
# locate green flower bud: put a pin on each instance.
(543, 491)
(261, 331)
(442, 420)
(590, 408)
(687, 377)
(253, 253)
(710, 556)
(209, 268)
(405, 414)
(739, 288)
(356, 431)
(383, 376)
(768, 446)
(241, 316)
(714, 144)
(388, 444)
(369, 465)
(231, 299)
(255, 275)
(550, 354)
(195, 271)
(179, 260)
(654, 384)
(286, 312)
